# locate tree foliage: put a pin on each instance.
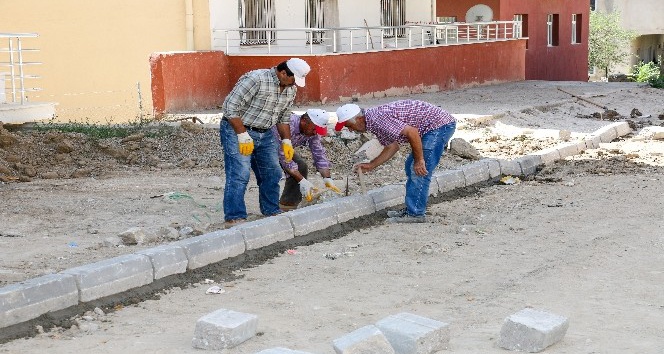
(608, 41)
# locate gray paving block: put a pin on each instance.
(567, 149)
(529, 164)
(266, 231)
(388, 196)
(449, 180)
(312, 218)
(622, 128)
(353, 206)
(212, 247)
(280, 350)
(433, 187)
(368, 339)
(166, 260)
(475, 172)
(549, 155)
(34, 297)
(532, 330)
(510, 167)
(581, 146)
(607, 133)
(111, 276)
(223, 329)
(412, 334)
(494, 167)
(593, 141)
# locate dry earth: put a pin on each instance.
(583, 238)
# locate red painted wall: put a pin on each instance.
(460, 7)
(188, 81)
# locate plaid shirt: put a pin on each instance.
(299, 139)
(257, 101)
(387, 121)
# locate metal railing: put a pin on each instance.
(359, 39)
(12, 60)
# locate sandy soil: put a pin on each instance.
(582, 239)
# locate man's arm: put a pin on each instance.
(415, 141)
(384, 155)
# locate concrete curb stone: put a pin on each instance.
(264, 232)
(166, 260)
(353, 206)
(388, 196)
(312, 218)
(212, 247)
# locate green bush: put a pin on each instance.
(650, 73)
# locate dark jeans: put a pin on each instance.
(291, 194)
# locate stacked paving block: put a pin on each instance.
(224, 329)
(368, 339)
(532, 330)
(413, 334)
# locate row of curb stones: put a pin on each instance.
(34, 297)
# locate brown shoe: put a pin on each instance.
(230, 223)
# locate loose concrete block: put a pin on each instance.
(581, 146)
(111, 276)
(532, 330)
(388, 196)
(510, 168)
(354, 206)
(223, 329)
(622, 128)
(266, 231)
(529, 164)
(412, 334)
(449, 180)
(166, 260)
(494, 167)
(567, 149)
(607, 133)
(212, 247)
(280, 350)
(368, 339)
(34, 297)
(475, 172)
(312, 218)
(548, 156)
(593, 141)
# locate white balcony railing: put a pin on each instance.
(359, 39)
(13, 67)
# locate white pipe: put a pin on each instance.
(189, 23)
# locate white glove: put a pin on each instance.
(246, 143)
(307, 189)
(329, 183)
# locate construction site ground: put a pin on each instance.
(582, 238)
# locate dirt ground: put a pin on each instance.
(582, 239)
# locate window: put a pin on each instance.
(576, 28)
(256, 14)
(446, 19)
(314, 17)
(524, 25)
(552, 30)
(393, 13)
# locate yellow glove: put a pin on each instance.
(329, 183)
(307, 189)
(287, 146)
(246, 143)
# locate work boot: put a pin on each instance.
(396, 213)
(406, 219)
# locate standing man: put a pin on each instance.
(260, 100)
(427, 128)
(306, 129)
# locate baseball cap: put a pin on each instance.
(344, 113)
(299, 68)
(320, 118)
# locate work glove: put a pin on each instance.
(287, 146)
(246, 143)
(307, 189)
(329, 183)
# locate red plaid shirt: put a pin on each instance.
(387, 121)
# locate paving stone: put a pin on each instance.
(224, 329)
(354, 206)
(622, 128)
(433, 187)
(388, 196)
(312, 218)
(449, 180)
(567, 149)
(475, 172)
(593, 141)
(529, 164)
(412, 334)
(111, 276)
(280, 350)
(494, 167)
(607, 133)
(212, 247)
(510, 168)
(549, 155)
(34, 297)
(581, 146)
(266, 231)
(368, 339)
(166, 260)
(532, 330)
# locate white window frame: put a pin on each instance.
(549, 30)
(393, 13)
(574, 34)
(257, 14)
(314, 17)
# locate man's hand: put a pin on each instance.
(420, 168)
(329, 183)
(307, 189)
(287, 146)
(366, 167)
(246, 143)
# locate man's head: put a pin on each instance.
(350, 116)
(314, 121)
(293, 71)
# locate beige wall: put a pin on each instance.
(95, 52)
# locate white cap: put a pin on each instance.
(320, 118)
(346, 112)
(299, 68)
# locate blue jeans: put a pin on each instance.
(264, 161)
(417, 187)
